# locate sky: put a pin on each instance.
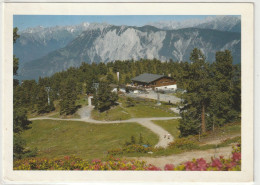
(25, 21)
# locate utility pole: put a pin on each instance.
(158, 98)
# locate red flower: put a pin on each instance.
(133, 167)
(230, 165)
(190, 166)
(168, 167)
(202, 164)
(123, 168)
(236, 156)
(216, 163)
(153, 168)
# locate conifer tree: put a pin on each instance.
(20, 121)
(68, 97)
(197, 98)
(42, 101)
(110, 78)
(212, 93)
(222, 89)
(103, 99)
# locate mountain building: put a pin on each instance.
(155, 82)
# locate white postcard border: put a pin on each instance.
(247, 47)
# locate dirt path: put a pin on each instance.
(214, 140)
(85, 113)
(163, 141)
(187, 156)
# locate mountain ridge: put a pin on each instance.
(130, 42)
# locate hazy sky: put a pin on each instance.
(25, 21)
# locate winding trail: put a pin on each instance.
(85, 112)
(177, 159)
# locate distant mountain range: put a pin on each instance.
(221, 23)
(39, 41)
(44, 51)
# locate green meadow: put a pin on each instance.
(85, 140)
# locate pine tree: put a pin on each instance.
(141, 139)
(197, 98)
(223, 95)
(20, 121)
(91, 78)
(102, 69)
(42, 101)
(110, 78)
(104, 98)
(212, 93)
(68, 97)
(127, 79)
(132, 139)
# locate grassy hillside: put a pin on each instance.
(170, 125)
(85, 140)
(143, 108)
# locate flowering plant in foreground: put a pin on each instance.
(217, 164)
(74, 163)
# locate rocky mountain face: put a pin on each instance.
(109, 43)
(44, 51)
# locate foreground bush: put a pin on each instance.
(134, 148)
(184, 144)
(216, 164)
(73, 163)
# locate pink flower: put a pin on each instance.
(236, 156)
(133, 167)
(96, 167)
(168, 167)
(202, 164)
(230, 165)
(153, 168)
(190, 166)
(216, 163)
(123, 168)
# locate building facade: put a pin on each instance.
(154, 81)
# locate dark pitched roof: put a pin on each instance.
(147, 78)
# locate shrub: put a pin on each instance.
(74, 163)
(130, 102)
(133, 148)
(132, 140)
(184, 144)
(216, 164)
(111, 163)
